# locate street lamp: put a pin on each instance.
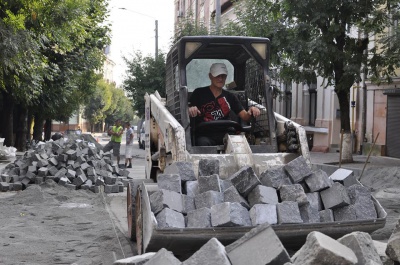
(155, 30)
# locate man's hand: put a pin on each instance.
(253, 111)
(194, 111)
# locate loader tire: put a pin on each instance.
(131, 205)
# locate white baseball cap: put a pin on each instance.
(217, 69)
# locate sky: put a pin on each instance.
(133, 29)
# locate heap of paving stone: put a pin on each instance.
(261, 246)
(287, 194)
(73, 163)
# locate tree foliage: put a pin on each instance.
(144, 75)
(49, 54)
(325, 38)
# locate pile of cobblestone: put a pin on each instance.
(74, 163)
(287, 194)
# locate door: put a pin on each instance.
(393, 126)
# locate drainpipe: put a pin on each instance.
(363, 106)
(218, 15)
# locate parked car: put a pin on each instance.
(141, 137)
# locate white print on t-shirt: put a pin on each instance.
(217, 114)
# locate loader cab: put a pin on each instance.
(247, 60)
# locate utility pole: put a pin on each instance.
(156, 31)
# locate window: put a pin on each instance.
(197, 72)
(313, 103)
(288, 100)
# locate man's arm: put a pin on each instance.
(120, 131)
(131, 137)
(246, 115)
(194, 111)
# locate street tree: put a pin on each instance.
(120, 108)
(144, 75)
(100, 101)
(310, 38)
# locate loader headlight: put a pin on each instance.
(190, 48)
(261, 49)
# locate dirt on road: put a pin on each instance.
(50, 224)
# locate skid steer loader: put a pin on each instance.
(262, 143)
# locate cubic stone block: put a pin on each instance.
(393, 244)
(208, 167)
(52, 170)
(168, 218)
(259, 246)
(315, 200)
(80, 180)
(318, 180)
(4, 186)
(262, 194)
(288, 213)
(166, 198)
(164, 257)
(361, 198)
(225, 184)
(326, 216)
(191, 188)
(183, 169)
(293, 193)
(188, 203)
(42, 163)
(245, 180)
(298, 169)
(108, 188)
(344, 176)
(263, 213)
(212, 252)
(229, 214)
(169, 182)
(309, 214)
(335, 196)
(275, 177)
(208, 199)
(323, 250)
(17, 186)
(232, 195)
(207, 183)
(345, 213)
(39, 180)
(199, 218)
(362, 245)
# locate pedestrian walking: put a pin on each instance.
(129, 145)
(115, 141)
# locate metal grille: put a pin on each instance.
(172, 85)
(255, 92)
(393, 127)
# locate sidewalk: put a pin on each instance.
(329, 162)
(359, 160)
